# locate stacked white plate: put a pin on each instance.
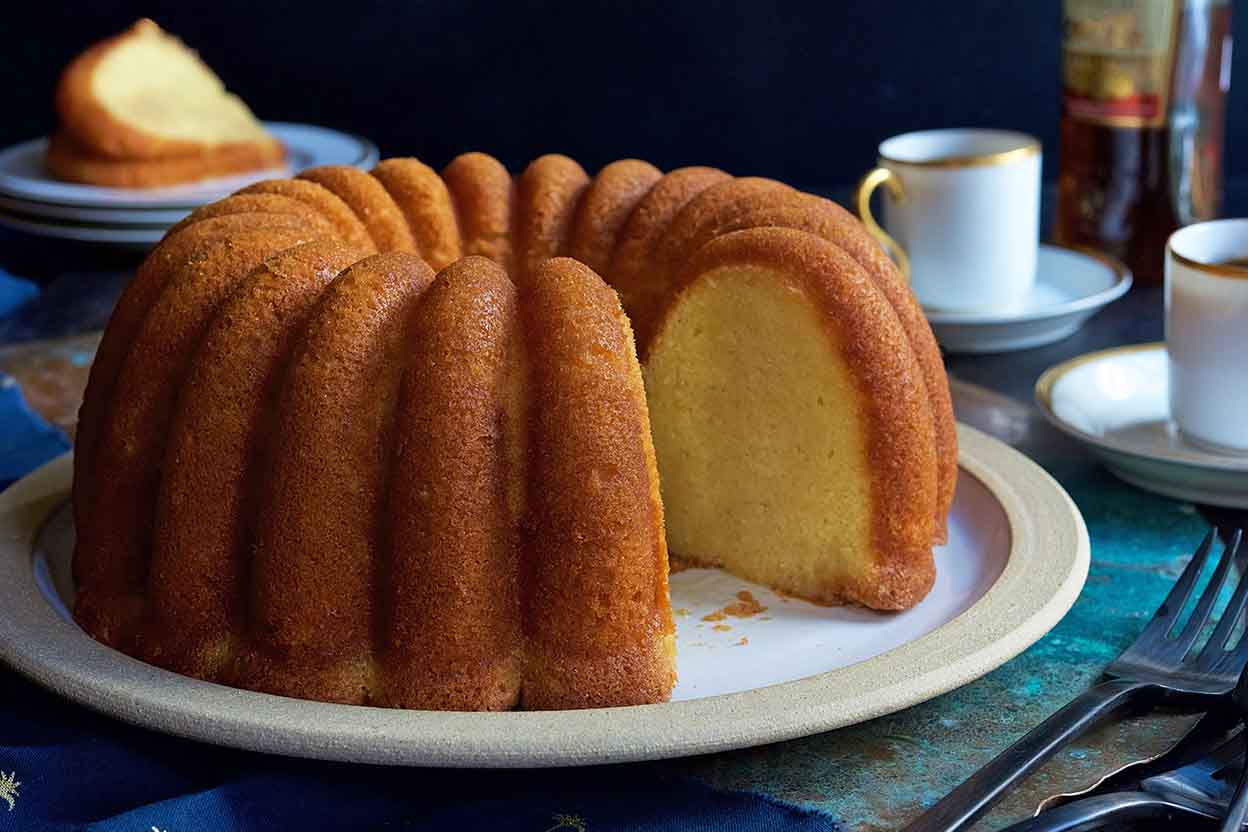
(32, 201)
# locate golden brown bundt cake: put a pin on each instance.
(67, 159)
(426, 204)
(481, 189)
(450, 628)
(599, 635)
(222, 426)
(714, 211)
(160, 266)
(606, 206)
(792, 425)
(751, 203)
(112, 552)
(254, 204)
(319, 536)
(642, 291)
(370, 202)
(350, 229)
(547, 194)
(443, 492)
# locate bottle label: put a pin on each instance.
(1117, 59)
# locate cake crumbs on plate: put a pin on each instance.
(746, 606)
(722, 628)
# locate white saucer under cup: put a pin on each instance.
(1070, 286)
(962, 206)
(1117, 403)
(1207, 334)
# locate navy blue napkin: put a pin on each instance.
(64, 768)
(80, 771)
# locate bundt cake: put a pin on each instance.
(384, 438)
(141, 110)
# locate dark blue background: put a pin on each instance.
(798, 91)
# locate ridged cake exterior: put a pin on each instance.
(381, 439)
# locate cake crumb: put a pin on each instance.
(746, 606)
(722, 628)
(744, 641)
(681, 611)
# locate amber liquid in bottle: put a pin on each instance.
(1128, 179)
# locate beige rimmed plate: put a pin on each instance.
(1017, 558)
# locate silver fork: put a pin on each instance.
(1156, 666)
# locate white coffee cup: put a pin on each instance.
(962, 209)
(1207, 334)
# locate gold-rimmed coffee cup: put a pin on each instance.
(961, 214)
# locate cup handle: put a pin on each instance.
(862, 199)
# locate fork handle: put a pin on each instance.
(1104, 809)
(963, 806)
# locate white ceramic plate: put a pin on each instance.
(1017, 559)
(119, 235)
(1117, 402)
(1071, 286)
(117, 217)
(24, 178)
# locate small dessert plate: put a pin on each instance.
(24, 179)
(1071, 286)
(1117, 402)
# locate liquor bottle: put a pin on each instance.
(1144, 87)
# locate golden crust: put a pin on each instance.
(113, 546)
(547, 194)
(131, 309)
(597, 553)
(319, 535)
(255, 204)
(901, 441)
(370, 202)
(68, 160)
(100, 134)
(482, 191)
(201, 549)
(450, 588)
(606, 206)
(641, 290)
(426, 203)
(712, 212)
(326, 202)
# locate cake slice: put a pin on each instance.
(793, 431)
(144, 95)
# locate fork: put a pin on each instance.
(1157, 665)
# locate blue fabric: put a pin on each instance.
(26, 440)
(65, 768)
(14, 292)
(80, 771)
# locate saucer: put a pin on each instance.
(1117, 402)
(1071, 286)
(25, 181)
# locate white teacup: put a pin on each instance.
(962, 209)
(1207, 334)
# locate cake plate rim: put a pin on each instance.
(1045, 571)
